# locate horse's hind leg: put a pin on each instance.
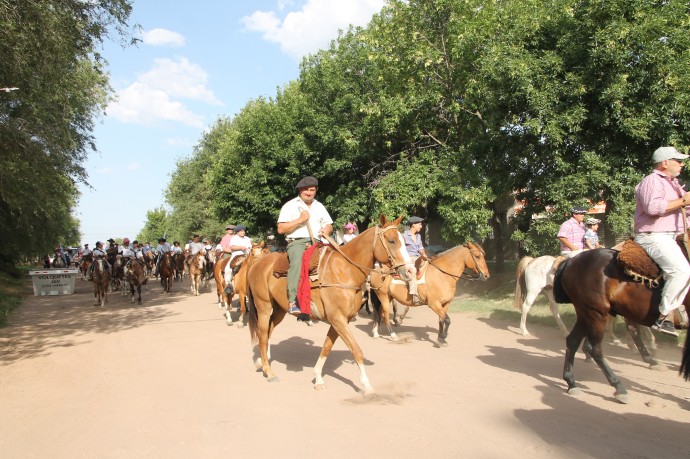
(593, 347)
(554, 311)
(635, 334)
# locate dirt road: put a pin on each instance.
(170, 380)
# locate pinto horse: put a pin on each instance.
(166, 272)
(197, 267)
(437, 290)
(336, 296)
(135, 273)
(101, 281)
(598, 287)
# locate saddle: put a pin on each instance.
(635, 262)
(282, 264)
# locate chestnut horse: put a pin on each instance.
(438, 289)
(84, 265)
(240, 281)
(178, 261)
(598, 287)
(197, 267)
(166, 272)
(336, 296)
(101, 281)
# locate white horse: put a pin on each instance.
(531, 277)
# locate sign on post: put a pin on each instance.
(58, 281)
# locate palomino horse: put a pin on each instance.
(135, 273)
(532, 276)
(197, 267)
(101, 281)
(336, 296)
(597, 286)
(438, 289)
(166, 271)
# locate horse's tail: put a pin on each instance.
(558, 293)
(252, 316)
(685, 361)
(520, 286)
(375, 306)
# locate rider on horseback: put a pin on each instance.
(240, 244)
(302, 220)
(193, 248)
(415, 248)
(163, 247)
(97, 253)
(658, 220)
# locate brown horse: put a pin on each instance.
(219, 275)
(598, 287)
(166, 272)
(178, 260)
(438, 289)
(135, 273)
(336, 295)
(101, 280)
(149, 262)
(84, 265)
(197, 267)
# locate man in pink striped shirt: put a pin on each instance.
(658, 220)
(572, 233)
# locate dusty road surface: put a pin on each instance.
(170, 380)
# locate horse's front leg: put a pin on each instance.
(443, 322)
(595, 349)
(346, 335)
(572, 343)
(331, 336)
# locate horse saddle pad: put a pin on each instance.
(636, 263)
(282, 263)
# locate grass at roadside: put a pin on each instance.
(12, 289)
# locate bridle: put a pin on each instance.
(463, 275)
(378, 236)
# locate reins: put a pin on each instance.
(462, 274)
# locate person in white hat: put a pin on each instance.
(591, 237)
(658, 220)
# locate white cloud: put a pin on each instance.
(162, 37)
(314, 26)
(153, 97)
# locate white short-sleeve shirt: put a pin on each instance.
(243, 241)
(318, 217)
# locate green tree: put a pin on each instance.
(49, 52)
(156, 226)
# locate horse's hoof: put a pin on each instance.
(240, 325)
(369, 392)
(574, 391)
(319, 387)
(657, 367)
(442, 343)
(622, 397)
(273, 379)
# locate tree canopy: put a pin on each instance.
(49, 52)
(450, 109)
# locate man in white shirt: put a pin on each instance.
(193, 248)
(240, 244)
(162, 247)
(302, 220)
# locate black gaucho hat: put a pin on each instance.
(306, 182)
(161, 239)
(414, 220)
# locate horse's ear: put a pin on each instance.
(262, 244)
(382, 220)
(397, 221)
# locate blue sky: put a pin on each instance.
(197, 61)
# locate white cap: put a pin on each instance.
(664, 153)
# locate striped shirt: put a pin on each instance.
(574, 232)
(652, 195)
